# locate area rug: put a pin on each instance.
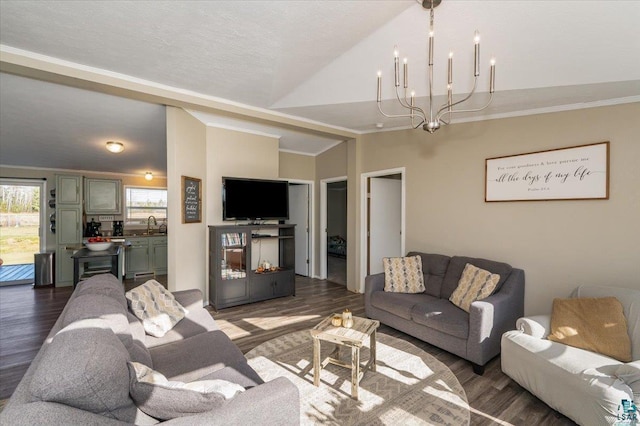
(410, 387)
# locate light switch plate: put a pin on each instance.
(105, 218)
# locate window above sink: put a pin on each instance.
(142, 202)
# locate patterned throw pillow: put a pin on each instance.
(165, 399)
(475, 284)
(156, 307)
(403, 274)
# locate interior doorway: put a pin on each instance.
(334, 209)
(22, 206)
(383, 221)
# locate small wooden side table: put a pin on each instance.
(353, 338)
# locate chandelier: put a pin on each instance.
(442, 114)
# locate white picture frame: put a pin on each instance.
(573, 173)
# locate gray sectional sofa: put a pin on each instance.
(80, 375)
(431, 317)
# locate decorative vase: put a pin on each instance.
(348, 323)
(336, 321)
(346, 315)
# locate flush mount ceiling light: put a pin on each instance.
(115, 147)
(148, 176)
(432, 121)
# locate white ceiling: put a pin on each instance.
(311, 59)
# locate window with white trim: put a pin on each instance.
(142, 202)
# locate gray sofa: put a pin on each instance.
(80, 375)
(431, 317)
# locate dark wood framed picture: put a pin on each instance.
(191, 200)
(573, 173)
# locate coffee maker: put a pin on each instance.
(93, 229)
(118, 228)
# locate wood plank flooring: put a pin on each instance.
(27, 315)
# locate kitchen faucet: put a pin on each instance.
(155, 223)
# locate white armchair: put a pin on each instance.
(585, 386)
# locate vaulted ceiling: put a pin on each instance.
(316, 60)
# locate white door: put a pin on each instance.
(299, 214)
(385, 209)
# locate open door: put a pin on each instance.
(21, 233)
(299, 215)
(385, 220)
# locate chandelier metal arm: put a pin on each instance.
(395, 115)
(447, 105)
(467, 110)
(411, 108)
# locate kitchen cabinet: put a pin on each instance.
(68, 225)
(68, 189)
(102, 196)
(234, 257)
(158, 247)
(146, 256)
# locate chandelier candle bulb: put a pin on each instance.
(406, 73)
(431, 47)
(396, 65)
(492, 76)
(476, 54)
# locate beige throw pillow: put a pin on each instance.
(595, 324)
(403, 274)
(156, 307)
(475, 284)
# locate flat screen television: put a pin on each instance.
(254, 199)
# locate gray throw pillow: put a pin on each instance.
(85, 366)
(165, 400)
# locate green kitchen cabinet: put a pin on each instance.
(146, 256)
(68, 226)
(102, 196)
(158, 246)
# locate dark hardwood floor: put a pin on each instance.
(27, 315)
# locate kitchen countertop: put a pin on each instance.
(141, 234)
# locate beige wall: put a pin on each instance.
(236, 154)
(50, 178)
(206, 153)
(186, 156)
(296, 166)
(559, 244)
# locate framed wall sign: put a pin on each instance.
(191, 200)
(575, 173)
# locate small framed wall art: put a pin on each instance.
(574, 173)
(191, 200)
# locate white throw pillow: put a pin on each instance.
(156, 307)
(163, 399)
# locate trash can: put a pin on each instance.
(43, 265)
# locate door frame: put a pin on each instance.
(323, 222)
(312, 221)
(44, 196)
(364, 215)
